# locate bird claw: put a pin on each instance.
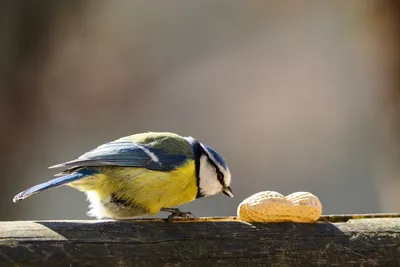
(181, 215)
(176, 213)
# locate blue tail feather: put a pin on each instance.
(56, 182)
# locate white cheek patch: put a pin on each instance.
(209, 184)
(225, 172)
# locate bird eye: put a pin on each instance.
(220, 176)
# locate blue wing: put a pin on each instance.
(56, 182)
(124, 153)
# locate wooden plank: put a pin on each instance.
(198, 242)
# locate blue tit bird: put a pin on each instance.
(142, 174)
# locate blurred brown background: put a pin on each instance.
(296, 95)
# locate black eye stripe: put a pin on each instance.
(220, 175)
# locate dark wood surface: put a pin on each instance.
(200, 242)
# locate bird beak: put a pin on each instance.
(228, 191)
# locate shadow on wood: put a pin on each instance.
(223, 242)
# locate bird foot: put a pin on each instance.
(176, 213)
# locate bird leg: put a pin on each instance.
(176, 213)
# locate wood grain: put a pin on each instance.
(198, 242)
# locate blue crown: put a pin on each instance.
(217, 156)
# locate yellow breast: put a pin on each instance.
(149, 189)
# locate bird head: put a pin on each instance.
(214, 175)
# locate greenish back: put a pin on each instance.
(170, 143)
